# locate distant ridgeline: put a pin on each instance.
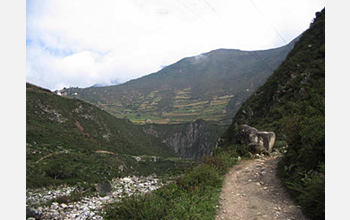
(71, 141)
(292, 104)
(211, 86)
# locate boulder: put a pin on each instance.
(257, 141)
(256, 148)
(78, 190)
(104, 187)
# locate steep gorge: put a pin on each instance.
(190, 140)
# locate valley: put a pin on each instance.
(181, 124)
(63, 135)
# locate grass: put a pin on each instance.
(194, 195)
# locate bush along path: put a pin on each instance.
(219, 188)
(193, 195)
(253, 191)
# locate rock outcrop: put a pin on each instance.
(104, 187)
(189, 140)
(256, 141)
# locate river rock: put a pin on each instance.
(88, 207)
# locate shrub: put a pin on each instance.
(311, 193)
(222, 159)
(147, 206)
(193, 195)
(200, 177)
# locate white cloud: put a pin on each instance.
(83, 42)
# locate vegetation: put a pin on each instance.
(194, 195)
(292, 104)
(70, 142)
(210, 86)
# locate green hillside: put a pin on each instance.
(292, 104)
(70, 141)
(210, 86)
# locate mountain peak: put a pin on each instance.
(209, 86)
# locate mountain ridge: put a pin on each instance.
(197, 87)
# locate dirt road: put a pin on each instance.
(252, 192)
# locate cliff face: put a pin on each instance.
(189, 140)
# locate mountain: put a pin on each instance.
(210, 86)
(292, 104)
(71, 141)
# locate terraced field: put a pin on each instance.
(184, 108)
(211, 89)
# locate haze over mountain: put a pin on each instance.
(95, 42)
(210, 86)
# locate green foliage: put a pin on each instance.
(306, 139)
(220, 163)
(223, 158)
(70, 141)
(147, 206)
(292, 104)
(234, 150)
(302, 172)
(309, 191)
(201, 176)
(194, 195)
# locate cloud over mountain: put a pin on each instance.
(80, 43)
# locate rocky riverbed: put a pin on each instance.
(44, 203)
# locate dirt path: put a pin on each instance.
(252, 192)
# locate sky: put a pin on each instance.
(79, 43)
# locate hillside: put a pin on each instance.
(70, 141)
(210, 86)
(292, 104)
